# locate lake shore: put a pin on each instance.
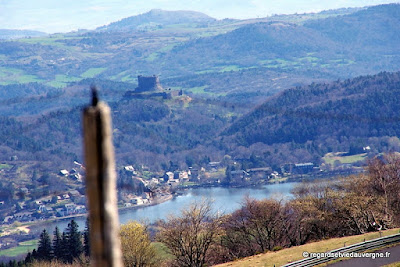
(34, 226)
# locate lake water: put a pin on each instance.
(225, 200)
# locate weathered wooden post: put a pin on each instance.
(105, 247)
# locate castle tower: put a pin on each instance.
(148, 84)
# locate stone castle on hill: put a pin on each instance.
(149, 86)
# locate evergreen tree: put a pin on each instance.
(34, 254)
(44, 251)
(28, 259)
(57, 244)
(75, 247)
(86, 241)
(65, 255)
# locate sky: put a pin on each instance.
(53, 16)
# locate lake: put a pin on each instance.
(225, 200)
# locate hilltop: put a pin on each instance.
(18, 34)
(156, 19)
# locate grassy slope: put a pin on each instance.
(285, 256)
(330, 158)
(22, 248)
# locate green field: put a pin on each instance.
(5, 166)
(330, 158)
(14, 75)
(22, 248)
(90, 73)
(62, 80)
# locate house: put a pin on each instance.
(79, 209)
(63, 173)
(69, 208)
(303, 168)
(60, 212)
(194, 174)
(46, 199)
(183, 175)
(137, 201)
(168, 176)
(81, 200)
(129, 169)
(274, 175)
(173, 182)
(213, 166)
(38, 203)
(147, 195)
(154, 181)
(76, 177)
(74, 193)
(42, 208)
(8, 219)
(238, 175)
(259, 173)
(23, 216)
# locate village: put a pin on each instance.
(140, 187)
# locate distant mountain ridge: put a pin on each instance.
(8, 34)
(372, 27)
(371, 34)
(155, 18)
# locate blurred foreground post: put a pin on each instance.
(105, 247)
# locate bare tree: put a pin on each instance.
(385, 181)
(190, 235)
(254, 228)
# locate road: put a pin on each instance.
(369, 262)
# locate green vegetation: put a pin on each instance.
(92, 72)
(13, 75)
(162, 251)
(198, 90)
(230, 68)
(5, 166)
(43, 41)
(330, 158)
(22, 248)
(62, 80)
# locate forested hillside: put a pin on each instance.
(332, 116)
